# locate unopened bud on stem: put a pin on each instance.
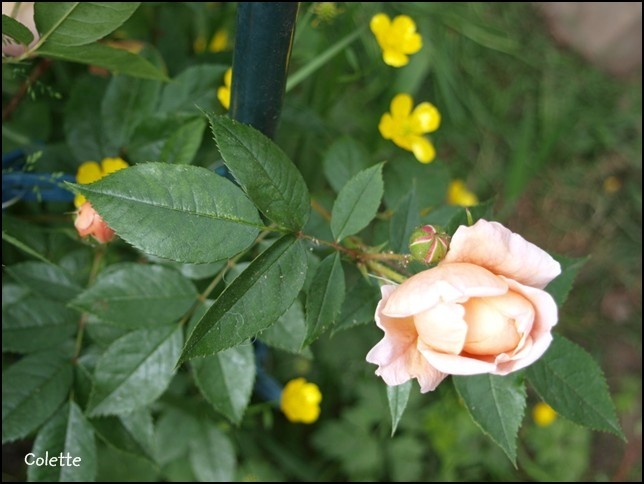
(429, 244)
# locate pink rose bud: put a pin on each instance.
(482, 309)
(89, 222)
(428, 244)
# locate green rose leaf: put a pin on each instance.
(32, 390)
(253, 301)
(406, 218)
(136, 295)
(169, 139)
(127, 102)
(135, 370)
(584, 400)
(496, 404)
(132, 433)
(118, 61)
(199, 217)
(359, 303)
(31, 323)
(344, 159)
(71, 435)
(226, 380)
(45, 279)
(560, 287)
(16, 30)
(79, 23)
(324, 297)
(265, 173)
(173, 445)
(212, 456)
(398, 397)
(83, 129)
(357, 202)
(191, 89)
(289, 332)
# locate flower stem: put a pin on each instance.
(385, 271)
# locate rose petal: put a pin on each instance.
(491, 245)
(84, 219)
(455, 364)
(546, 315)
(445, 283)
(443, 327)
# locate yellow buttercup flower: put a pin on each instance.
(397, 38)
(300, 401)
(219, 42)
(406, 127)
(543, 414)
(458, 194)
(90, 171)
(223, 93)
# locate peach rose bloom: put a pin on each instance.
(89, 222)
(481, 310)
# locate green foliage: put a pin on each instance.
(79, 23)
(398, 396)
(273, 270)
(226, 380)
(264, 171)
(32, 390)
(343, 160)
(134, 371)
(357, 202)
(16, 30)
(253, 301)
(141, 207)
(45, 279)
(324, 297)
(32, 323)
(137, 296)
(496, 404)
(289, 332)
(561, 286)
(131, 432)
(585, 400)
(68, 434)
(212, 456)
(115, 60)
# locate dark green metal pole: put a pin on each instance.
(263, 41)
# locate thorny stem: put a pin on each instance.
(38, 71)
(368, 259)
(385, 271)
